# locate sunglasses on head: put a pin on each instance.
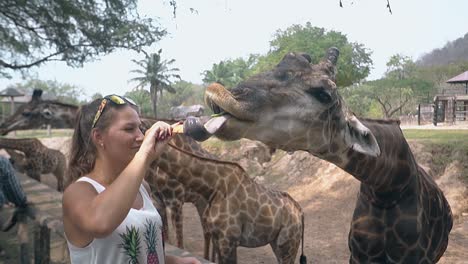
(116, 99)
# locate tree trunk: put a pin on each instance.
(154, 99)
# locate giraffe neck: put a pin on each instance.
(203, 175)
(392, 171)
(26, 145)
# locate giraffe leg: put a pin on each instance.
(177, 217)
(227, 252)
(59, 175)
(201, 205)
(159, 203)
(285, 250)
(207, 240)
(214, 253)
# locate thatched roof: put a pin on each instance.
(10, 92)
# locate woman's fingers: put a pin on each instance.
(164, 132)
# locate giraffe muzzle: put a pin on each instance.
(196, 129)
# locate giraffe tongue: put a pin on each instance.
(194, 127)
(215, 123)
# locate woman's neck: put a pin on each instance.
(105, 172)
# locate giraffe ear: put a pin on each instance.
(360, 138)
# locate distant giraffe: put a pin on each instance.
(175, 193)
(35, 158)
(38, 112)
(401, 215)
(240, 212)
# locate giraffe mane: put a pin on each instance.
(60, 103)
(206, 158)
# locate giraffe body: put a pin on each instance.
(403, 207)
(240, 212)
(35, 159)
(401, 215)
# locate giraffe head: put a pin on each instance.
(294, 106)
(38, 112)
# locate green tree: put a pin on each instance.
(96, 96)
(63, 92)
(354, 61)
(187, 94)
(399, 91)
(400, 67)
(156, 73)
(439, 74)
(143, 99)
(230, 72)
(34, 32)
(219, 72)
(391, 95)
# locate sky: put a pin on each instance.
(228, 29)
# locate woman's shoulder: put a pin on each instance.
(79, 190)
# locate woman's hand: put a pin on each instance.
(155, 140)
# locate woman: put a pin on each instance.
(108, 215)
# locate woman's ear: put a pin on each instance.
(96, 137)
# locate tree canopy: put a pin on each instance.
(396, 93)
(354, 61)
(34, 32)
(230, 72)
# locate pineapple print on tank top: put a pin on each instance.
(131, 243)
(137, 240)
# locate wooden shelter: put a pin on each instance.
(452, 107)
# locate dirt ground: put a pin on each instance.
(327, 195)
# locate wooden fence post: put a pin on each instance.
(419, 114)
(42, 244)
(23, 239)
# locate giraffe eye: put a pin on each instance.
(320, 94)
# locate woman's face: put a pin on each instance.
(123, 137)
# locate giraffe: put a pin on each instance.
(174, 193)
(37, 158)
(241, 212)
(401, 215)
(38, 112)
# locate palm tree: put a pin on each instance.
(230, 72)
(158, 74)
(221, 73)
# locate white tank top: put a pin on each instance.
(138, 239)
